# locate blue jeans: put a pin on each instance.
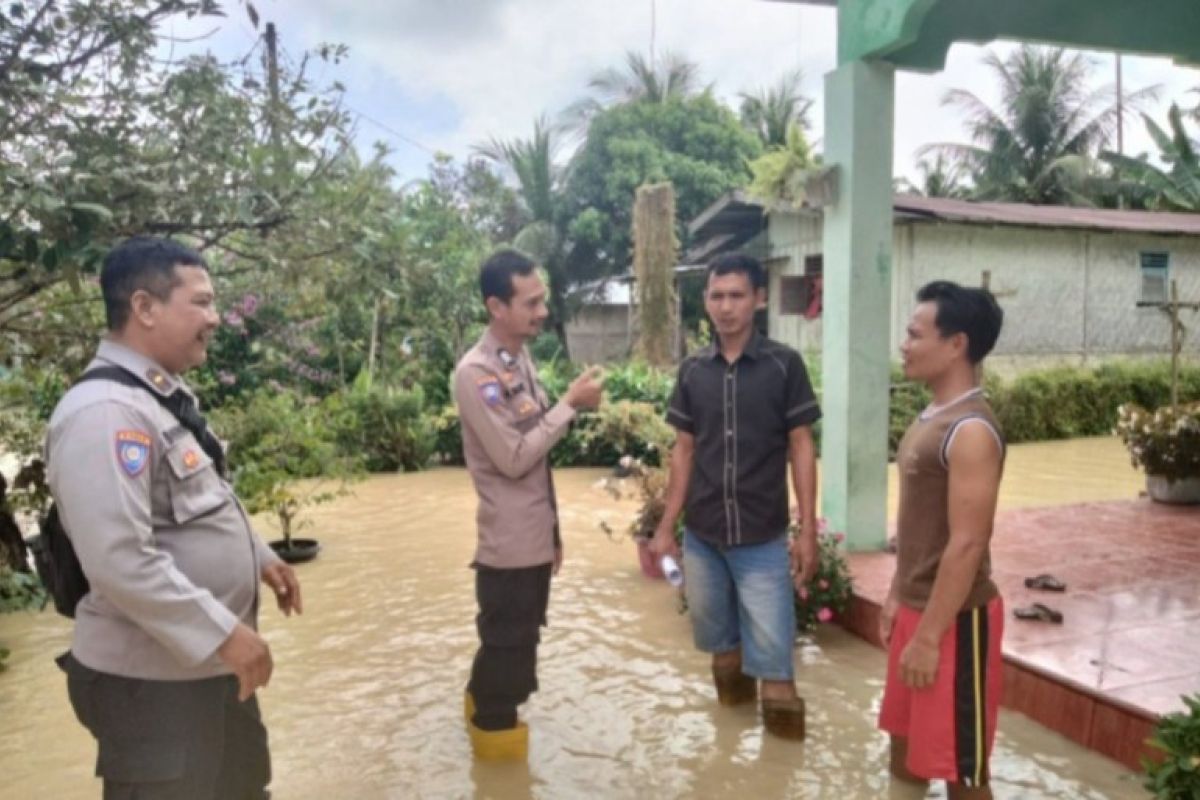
(743, 598)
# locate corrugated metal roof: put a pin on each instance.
(1101, 219)
(736, 211)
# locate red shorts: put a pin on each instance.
(950, 726)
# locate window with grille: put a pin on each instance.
(1155, 276)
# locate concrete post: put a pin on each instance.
(859, 98)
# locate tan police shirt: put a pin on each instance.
(923, 519)
(166, 546)
(507, 433)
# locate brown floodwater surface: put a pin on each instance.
(366, 700)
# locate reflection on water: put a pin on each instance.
(366, 698)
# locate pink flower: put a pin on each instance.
(803, 592)
(226, 378)
(823, 584)
(249, 305)
(233, 319)
(839, 537)
(825, 614)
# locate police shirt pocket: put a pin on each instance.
(195, 487)
(526, 414)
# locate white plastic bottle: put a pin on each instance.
(671, 571)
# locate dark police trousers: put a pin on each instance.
(171, 740)
(512, 610)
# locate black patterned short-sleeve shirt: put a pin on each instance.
(740, 415)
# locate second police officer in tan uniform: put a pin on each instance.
(165, 657)
(508, 430)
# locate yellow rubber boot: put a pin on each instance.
(468, 706)
(510, 744)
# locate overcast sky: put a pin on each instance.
(442, 75)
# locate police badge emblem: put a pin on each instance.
(133, 451)
(489, 388)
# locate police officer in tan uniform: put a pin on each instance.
(165, 657)
(508, 429)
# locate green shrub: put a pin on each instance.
(386, 427)
(1177, 775)
(1064, 402)
(275, 440)
(19, 591)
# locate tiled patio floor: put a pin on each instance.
(1129, 645)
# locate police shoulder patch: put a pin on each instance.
(133, 451)
(489, 389)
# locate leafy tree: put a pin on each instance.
(772, 111)
(98, 140)
(1038, 146)
(696, 143)
(1176, 185)
(940, 177)
(779, 173)
(540, 186)
(642, 79)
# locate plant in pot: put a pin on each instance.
(1174, 774)
(1166, 444)
(829, 593)
(284, 460)
(637, 431)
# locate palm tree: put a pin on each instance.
(771, 111)
(540, 185)
(641, 80)
(940, 177)
(1038, 146)
(1177, 187)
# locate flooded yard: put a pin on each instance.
(366, 698)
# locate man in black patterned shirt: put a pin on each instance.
(743, 410)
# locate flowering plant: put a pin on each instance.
(829, 592)
(1165, 442)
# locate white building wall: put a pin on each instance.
(793, 237)
(1069, 296)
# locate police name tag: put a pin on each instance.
(133, 451)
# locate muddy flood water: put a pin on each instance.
(366, 698)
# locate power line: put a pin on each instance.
(401, 136)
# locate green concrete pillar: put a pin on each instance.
(856, 338)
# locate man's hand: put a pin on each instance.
(919, 663)
(558, 558)
(663, 543)
(283, 581)
(887, 619)
(248, 656)
(803, 552)
(585, 391)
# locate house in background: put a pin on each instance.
(1077, 285)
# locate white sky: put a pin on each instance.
(446, 74)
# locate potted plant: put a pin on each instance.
(1166, 444)
(283, 460)
(1175, 773)
(828, 594)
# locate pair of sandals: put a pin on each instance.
(1040, 612)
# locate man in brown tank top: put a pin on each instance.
(943, 618)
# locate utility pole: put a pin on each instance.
(273, 89)
(653, 29)
(1120, 132)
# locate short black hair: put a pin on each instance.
(737, 261)
(496, 273)
(973, 312)
(146, 263)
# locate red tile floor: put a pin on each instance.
(1129, 645)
